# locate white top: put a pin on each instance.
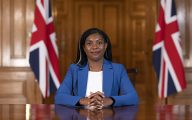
(94, 82)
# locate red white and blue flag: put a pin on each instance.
(167, 51)
(43, 57)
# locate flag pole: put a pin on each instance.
(166, 100)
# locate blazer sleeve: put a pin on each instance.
(64, 94)
(128, 94)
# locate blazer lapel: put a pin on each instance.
(107, 78)
(82, 80)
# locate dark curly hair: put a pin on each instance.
(81, 55)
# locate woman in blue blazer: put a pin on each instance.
(94, 80)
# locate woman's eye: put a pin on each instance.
(89, 43)
(100, 43)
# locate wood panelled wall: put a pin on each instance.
(17, 82)
(129, 23)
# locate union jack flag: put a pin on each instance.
(43, 57)
(167, 52)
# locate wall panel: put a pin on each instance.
(14, 33)
(111, 20)
(19, 87)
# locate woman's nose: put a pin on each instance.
(95, 45)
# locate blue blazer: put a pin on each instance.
(116, 84)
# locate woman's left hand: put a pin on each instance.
(107, 101)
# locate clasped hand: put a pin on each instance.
(96, 101)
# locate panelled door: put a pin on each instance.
(130, 25)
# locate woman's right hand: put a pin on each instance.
(84, 101)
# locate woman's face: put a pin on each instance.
(95, 47)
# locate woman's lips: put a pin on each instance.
(95, 52)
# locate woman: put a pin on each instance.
(94, 80)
